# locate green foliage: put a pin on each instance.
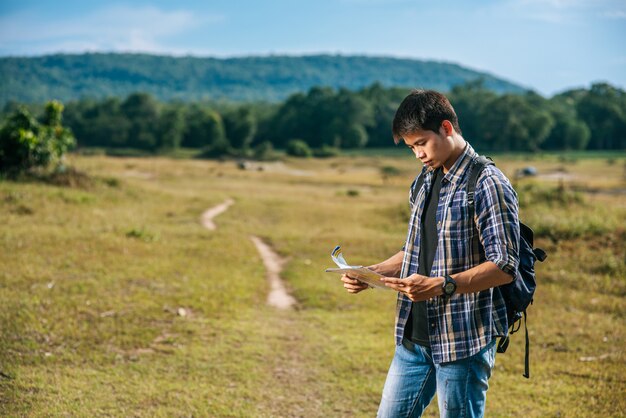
(171, 128)
(513, 123)
(387, 171)
(100, 124)
(603, 109)
(264, 152)
(142, 111)
(298, 148)
(323, 117)
(142, 234)
(240, 125)
(26, 143)
(326, 151)
(272, 78)
(533, 194)
(218, 149)
(203, 127)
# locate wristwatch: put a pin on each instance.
(449, 286)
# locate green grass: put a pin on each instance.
(116, 302)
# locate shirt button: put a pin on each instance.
(439, 224)
(433, 325)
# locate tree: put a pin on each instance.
(26, 143)
(203, 127)
(240, 125)
(100, 124)
(569, 132)
(510, 123)
(171, 127)
(352, 114)
(142, 111)
(384, 103)
(298, 148)
(470, 102)
(603, 109)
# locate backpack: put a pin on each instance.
(517, 295)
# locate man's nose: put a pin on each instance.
(420, 154)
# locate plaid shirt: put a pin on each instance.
(465, 323)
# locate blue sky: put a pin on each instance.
(547, 45)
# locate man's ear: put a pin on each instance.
(446, 128)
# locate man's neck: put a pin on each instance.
(458, 148)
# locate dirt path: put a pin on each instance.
(207, 216)
(278, 296)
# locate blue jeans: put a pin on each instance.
(413, 379)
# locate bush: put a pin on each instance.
(219, 149)
(264, 152)
(298, 148)
(531, 194)
(326, 151)
(388, 171)
(26, 144)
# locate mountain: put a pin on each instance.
(269, 78)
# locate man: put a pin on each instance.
(448, 314)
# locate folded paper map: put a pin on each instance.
(362, 274)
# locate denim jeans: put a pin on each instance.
(413, 379)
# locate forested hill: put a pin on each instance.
(272, 78)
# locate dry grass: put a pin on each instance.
(92, 282)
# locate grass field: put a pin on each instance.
(116, 302)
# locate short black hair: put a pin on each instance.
(423, 110)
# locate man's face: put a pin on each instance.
(432, 149)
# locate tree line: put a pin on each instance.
(326, 118)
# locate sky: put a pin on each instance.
(547, 45)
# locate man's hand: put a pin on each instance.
(353, 285)
(416, 287)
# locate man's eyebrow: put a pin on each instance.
(418, 140)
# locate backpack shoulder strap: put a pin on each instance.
(415, 187)
(477, 166)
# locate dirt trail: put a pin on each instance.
(278, 296)
(207, 216)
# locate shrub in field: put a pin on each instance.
(388, 171)
(142, 234)
(264, 152)
(298, 148)
(25, 143)
(219, 149)
(534, 194)
(326, 151)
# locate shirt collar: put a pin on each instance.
(459, 167)
(457, 170)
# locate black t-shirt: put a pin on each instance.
(416, 328)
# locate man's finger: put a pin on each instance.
(396, 286)
(348, 280)
(353, 286)
(392, 280)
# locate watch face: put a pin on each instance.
(449, 288)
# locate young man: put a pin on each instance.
(448, 314)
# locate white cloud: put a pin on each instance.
(115, 28)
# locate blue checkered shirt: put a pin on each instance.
(462, 325)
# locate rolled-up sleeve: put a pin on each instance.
(497, 219)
